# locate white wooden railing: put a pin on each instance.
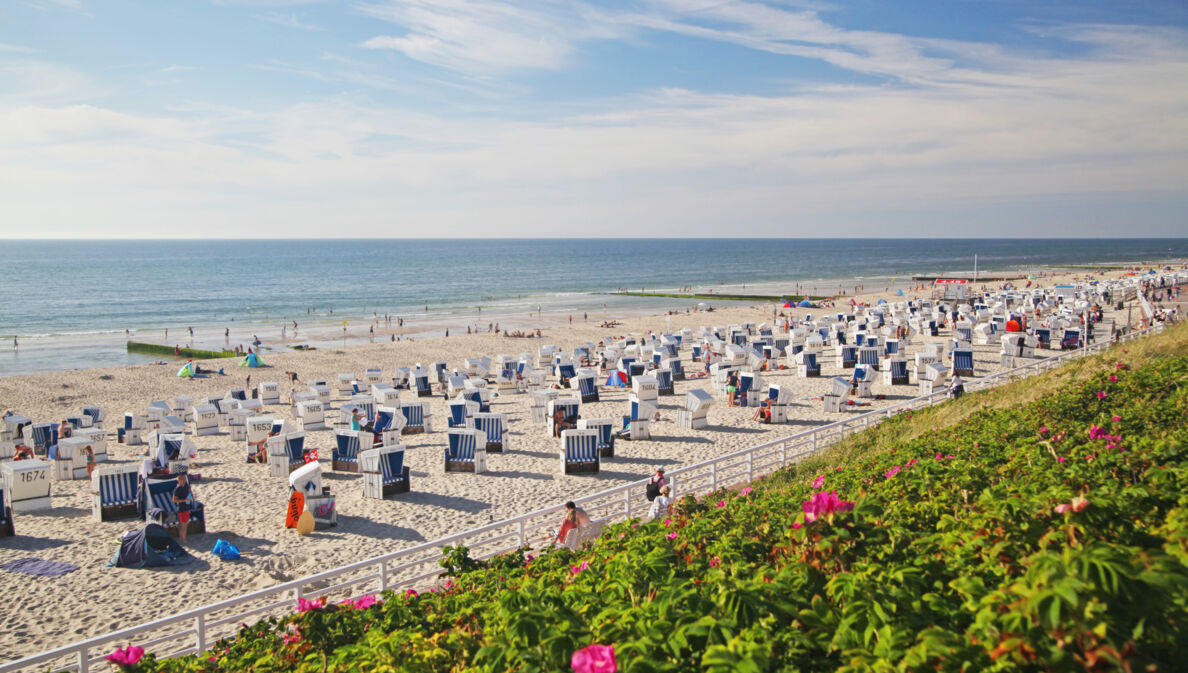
(195, 630)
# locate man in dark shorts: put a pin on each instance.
(183, 498)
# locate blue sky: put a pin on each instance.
(405, 118)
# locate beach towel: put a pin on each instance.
(39, 567)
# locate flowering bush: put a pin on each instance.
(940, 547)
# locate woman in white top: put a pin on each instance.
(661, 504)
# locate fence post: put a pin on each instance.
(814, 435)
(520, 528)
(383, 573)
(627, 501)
(783, 453)
(713, 477)
(200, 633)
(84, 661)
(750, 466)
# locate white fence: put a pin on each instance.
(195, 630)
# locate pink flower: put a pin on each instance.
(1101, 395)
(715, 562)
(305, 606)
(364, 602)
(1060, 459)
(622, 535)
(1115, 418)
(892, 472)
(579, 567)
(1113, 378)
(1079, 504)
(411, 593)
(594, 659)
(1097, 432)
(797, 525)
(823, 504)
(1043, 428)
(667, 522)
(672, 535)
(819, 481)
(126, 656)
(746, 491)
(1062, 508)
(837, 469)
(293, 638)
(721, 503)
(911, 462)
(939, 457)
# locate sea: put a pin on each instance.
(74, 304)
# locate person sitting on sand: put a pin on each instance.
(575, 517)
(65, 429)
(22, 452)
(763, 413)
(261, 455)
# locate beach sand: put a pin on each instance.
(246, 506)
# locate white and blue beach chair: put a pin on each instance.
(113, 492)
(415, 418)
(466, 451)
(695, 414)
(156, 497)
(572, 411)
(579, 452)
(7, 528)
(605, 427)
(347, 447)
(896, 372)
(493, 426)
(963, 364)
(384, 472)
(586, 386)
(807, 365)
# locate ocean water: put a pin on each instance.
(70, 302)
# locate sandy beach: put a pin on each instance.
(244, 505)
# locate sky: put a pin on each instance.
(649, 118)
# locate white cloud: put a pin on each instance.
(27, 80)
(289, 20)
(489, 36)
(16, 49)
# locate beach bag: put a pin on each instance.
(653, 490)
(225, 550)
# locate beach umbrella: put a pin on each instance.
(804, 303)
(186, 372)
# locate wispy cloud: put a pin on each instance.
(70, 5)
(16, 49)
(179, 68)
(288, 20)
(490, 36)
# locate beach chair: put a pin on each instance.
(297, 397)
(268, 392)
(674, 367)
(475, 395)
(131, 432)
(419, 381)
(807, 365)
(696, 354)
(749, 385)
(256, 430)
(847, 356)
(572, 407)
(1043, 337)
(645, 387)
(586, 387)
(416, 418)
(1070, 340)
(384, 472)
(29, 484)
(963, 364)
(96, 414)
(311, 415)
(896, 372)
(183, 407)
(323, 392)
(7, 529)
(863, 377)
(466, 451)
(638, 422)
(605, 427)
(346, 385)
(869, 356)
(780, 399)
(458, 416)
(204, 420)
(538, 410)
(307, 479)
(156, 497)
(373, 375)
(664, 385)
(389, 424)
(41, 436)
(113, 492)
(933, 378)
(237, 423)
(455, 385)
(347, 447)
(494, 426)
(286, 452)
(71, 458)
(579, 452)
